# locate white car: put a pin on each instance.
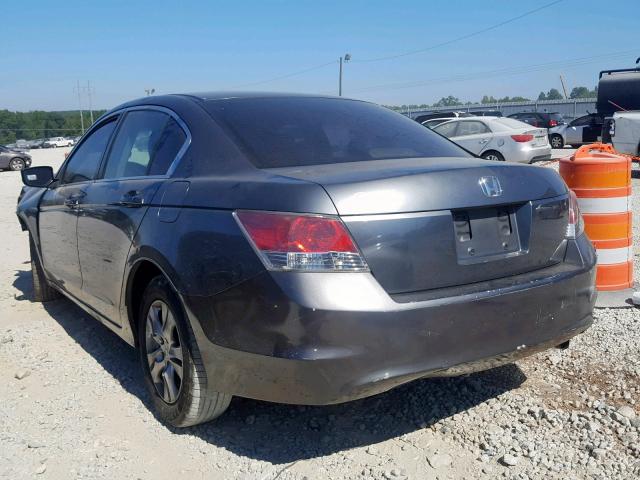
(498, 138)
(625, 132)
(58, 142)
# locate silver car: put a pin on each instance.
(494, 138)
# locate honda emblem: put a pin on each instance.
(490, 186)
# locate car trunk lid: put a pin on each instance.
(431, 223)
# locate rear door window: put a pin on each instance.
(147, 143)
(294, 131)
(447, 129)
(83, 164)
(469, 127)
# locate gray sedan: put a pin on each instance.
(302, 249)
(497, 138)
(13, 159)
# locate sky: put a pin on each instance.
(125, 47)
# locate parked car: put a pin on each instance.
(37, 143)
(553, 122)
(300, 249)
(13, 159)
(55, 142)
(434, 122)
(494, 138)
(429, 116)
(582, 130)
(624, 132)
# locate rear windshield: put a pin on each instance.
(298, 131)
(557, 117)
(510, 123)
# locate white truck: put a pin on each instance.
(58, 142)
(618, 104)
(624, 130)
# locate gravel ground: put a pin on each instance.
(72, 405)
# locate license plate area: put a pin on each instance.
(486, 234)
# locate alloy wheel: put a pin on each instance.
(16, 164)
(492, 157)
(164, 351)
(556, 142)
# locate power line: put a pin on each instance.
(413, 52)
(574, 62)
(463, 37)
(287, 75)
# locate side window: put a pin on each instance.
(146, 144)
(84, 163)
(471, 128)
(582, 121)
(447, 129)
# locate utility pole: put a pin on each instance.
(564, 88)
(90, 107)
(347, 57)
(80, 106)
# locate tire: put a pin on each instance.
(179, 401)
(42, 289)
(556, 141)
(493, 156)
(16, 164)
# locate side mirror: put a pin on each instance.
(37, 176)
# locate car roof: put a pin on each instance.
(202, 97)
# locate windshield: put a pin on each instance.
(295, 131)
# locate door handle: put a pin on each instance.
(73, 200)
(132, 198)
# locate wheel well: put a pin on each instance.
(145, 271)
(490, 151)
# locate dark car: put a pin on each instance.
(13, 159)
(539, 119)
(300, 249)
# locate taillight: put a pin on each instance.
(289, 241)
(575, 227)
(553, 123)
(522, 138)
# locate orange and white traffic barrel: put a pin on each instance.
(601, 180)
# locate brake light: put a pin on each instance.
(289, 241)
(522, 138)
(553, 123)
(575, 227)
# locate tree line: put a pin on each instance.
(451, 101)
(40, 124)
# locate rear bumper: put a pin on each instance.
(329, 338)
(528, 154)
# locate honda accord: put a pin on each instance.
(302, 249)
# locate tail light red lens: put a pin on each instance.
(522, 138)
(553, 123)
(287, 241)
(575, 227)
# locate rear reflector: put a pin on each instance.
(288, 241)
(522, 138)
